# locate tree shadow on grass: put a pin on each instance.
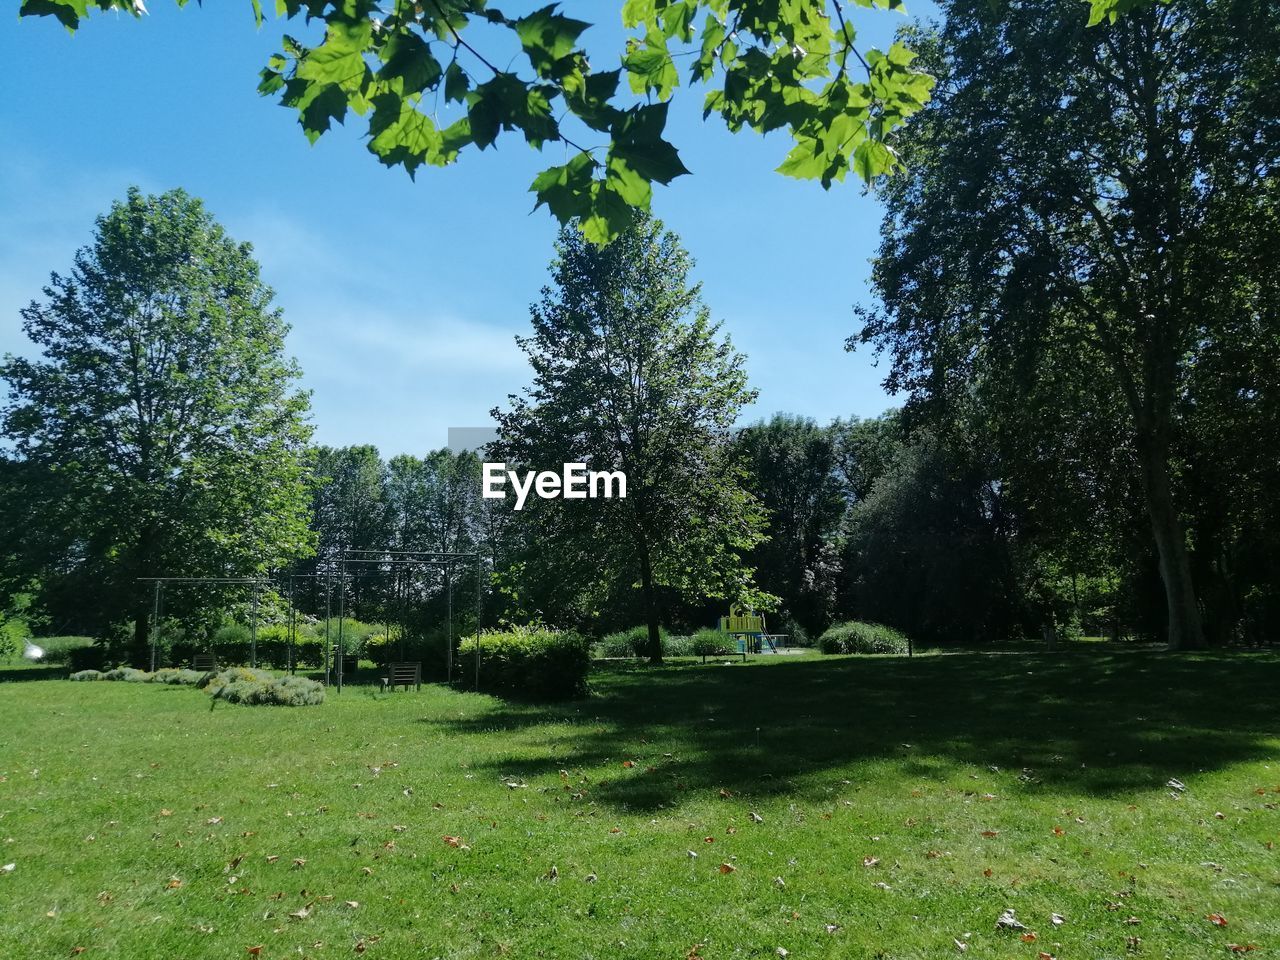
(1102, 724)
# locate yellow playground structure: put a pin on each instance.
(748, 628)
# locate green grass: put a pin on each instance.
(141, 822)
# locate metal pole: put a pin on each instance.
(478, 613)
(342, 613)
(328, 614)
(253, 630)
(448, 667)
(155, 624)
(293, 624)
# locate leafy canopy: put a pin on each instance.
(766, 64)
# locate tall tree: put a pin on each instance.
(791, 466)
(1059, 208)
(162, 431)
(631, 374)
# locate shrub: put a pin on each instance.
(128, 675)
(58, 650)
(176, 677)
(632, 642)
(538, 664)
(858, 637)
(711, 643)
(83, 659)
(256, 687)
(676, 646)
(86, 675)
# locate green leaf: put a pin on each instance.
(566, 190)
(340, 59)
(637, 139)
(637, 12)
(548, 37)
(456, 83)
(609, 214)
(409, 65)
(650, 67)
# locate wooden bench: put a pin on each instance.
(206, 662)
(403, 675)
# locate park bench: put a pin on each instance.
(403, 675)
(204, 661)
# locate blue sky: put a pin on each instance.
(405, 297)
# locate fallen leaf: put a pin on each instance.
(1057, 919)
(1030, 937)
(756, 818)
(299, 862)
(8, 868)
(987, 873)
(725, 795)
(1242, 947)
(727, 868)
(301, 913)
(989, 834)
(1217, 919)
(173, 884)
(960, 945)
(76, 951)
(628, 764)
(1007, 921)
(353, 904)
(870, 861)
(254, 951)
(1059, 832)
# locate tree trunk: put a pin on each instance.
(140, 654)
(1185, 631)
(649, 594)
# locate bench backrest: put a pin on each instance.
(403, 672)
(204, 661)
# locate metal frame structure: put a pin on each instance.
(392, 560)
(398, 560)
(157, 606)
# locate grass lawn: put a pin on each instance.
(837, 807)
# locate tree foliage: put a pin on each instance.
(161, 432)
(1062, 239)
(631, 374)
(776, 65)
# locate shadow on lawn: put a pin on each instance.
(1104, 724)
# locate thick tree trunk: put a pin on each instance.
(652, 615)
(1185, 630)
(140, 654)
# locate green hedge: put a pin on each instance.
(530, 663)
(712, 643)
(858, 637)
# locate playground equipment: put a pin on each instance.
(749, 630)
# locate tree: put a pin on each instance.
(926, 550)
(161, 432)
(1064, 196)
(630, 374)
(791, 469)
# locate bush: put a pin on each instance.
(858, 637)
(58, 650)
(256, 687)
(167, 675)
(628, 643)
(711, 643)
(537, 664)
(83, 659)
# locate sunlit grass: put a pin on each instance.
(837, 807)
